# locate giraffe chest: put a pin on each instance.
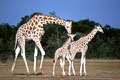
(64, 50)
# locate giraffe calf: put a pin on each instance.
(63, 52)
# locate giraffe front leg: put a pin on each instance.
(54, 63)
(81, 65)
(72, 63)
(35, 58)
(37, 41)
(43, 53)
(69, 69)
(73, 67)
(63, 64)
(85, 66)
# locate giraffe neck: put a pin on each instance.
(90, 36)
(44, 19)
(67, 42)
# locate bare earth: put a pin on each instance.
(96, 70)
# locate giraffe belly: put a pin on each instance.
(28, 37)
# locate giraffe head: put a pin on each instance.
(68, 26)
(99, 29)
(72, 36)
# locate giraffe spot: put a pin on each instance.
(53, 22)
(37, 29)
(26, 31)
(24, 27)
(33, 20)
(39, 34)
(45, 17)
(27, 27)
(41, 22)
(36, 17)
(30, 28)
(29, 32)
(34, 28)
(34, 32)
(40, 17)
(23, 30)
(32, 24)
(30, 21)
(46, 22)
(39, 26)
(36, 22)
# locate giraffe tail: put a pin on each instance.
(15, 42)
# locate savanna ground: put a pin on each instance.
(96, 70)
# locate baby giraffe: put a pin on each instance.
(81, 45)
(63, 52)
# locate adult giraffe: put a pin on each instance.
(33, 30)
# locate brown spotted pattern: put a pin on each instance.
(81, 46)
(33, 30)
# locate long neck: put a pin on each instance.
(67, 42)
(89, 36)
(44, 19)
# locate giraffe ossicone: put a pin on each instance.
(33, 30)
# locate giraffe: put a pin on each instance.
(33, 30)
(63, 52)
(81, 45)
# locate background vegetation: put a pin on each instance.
(105, 45)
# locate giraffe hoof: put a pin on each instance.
(53, 74)
(81, 74)
(74, 74)
(12, 71)
(40, 70)
(64, 74)
(69, 74)
(28, 73)
(85, 74)
(34, 73)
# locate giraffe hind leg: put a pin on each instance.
(63, 66)
(16, 54)
(54, 63)
(69, 61)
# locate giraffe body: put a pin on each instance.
(33, 30)
(81, 46)
(63, 52)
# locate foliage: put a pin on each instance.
(105, 45)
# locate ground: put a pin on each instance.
(96, 70)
